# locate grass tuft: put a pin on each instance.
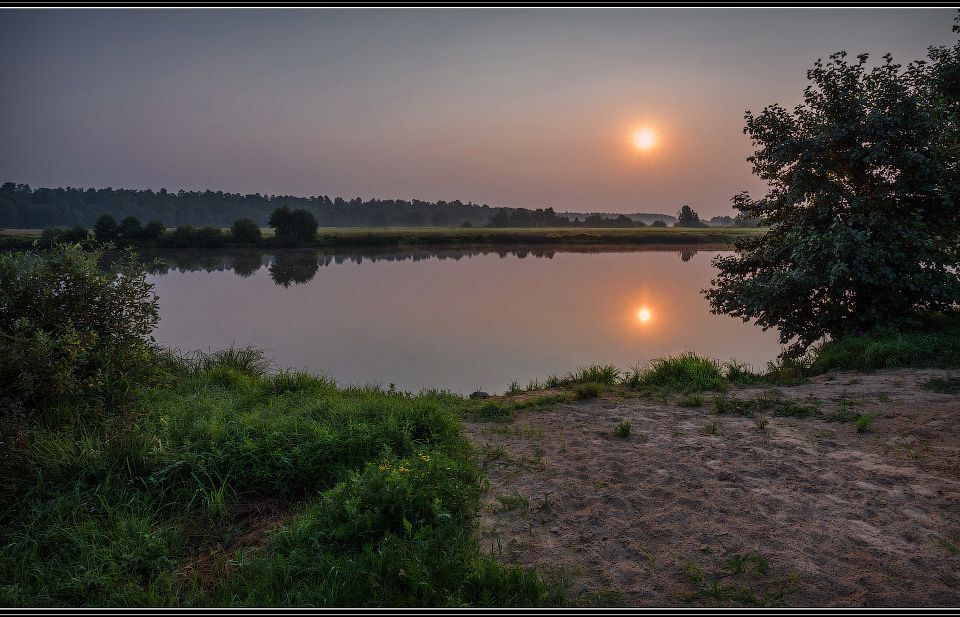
(589, 390)
(686, 373)
(622, 429)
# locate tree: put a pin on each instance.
(130, 228)
(105, 229)
(245, 231)
(153, 230)
(862, 204)
(500, 218)
(209, 238)
(293, 226)
(658, 223)
(687, 217)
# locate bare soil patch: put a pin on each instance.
(212, 546)
(696, 507)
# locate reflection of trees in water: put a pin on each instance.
(247, 263)
(294, 267)
(299, 266)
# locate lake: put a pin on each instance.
(454, 319)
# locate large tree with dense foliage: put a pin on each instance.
(293, 226)
(688, 217)
(861, 203)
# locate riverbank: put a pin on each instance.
(226, 482)
(841, 491)
(360, 237)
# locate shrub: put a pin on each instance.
(105, 229)
(69, 330)
(54, 235)
(153, 230)
(245, 231)
(184, 236)
(209, 238)
(130, 229)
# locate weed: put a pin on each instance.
(690, 400)
(587, 390)
(864, 423)
(739, 580)
(761, 424)
(622, 430)
(496, 410)
(712, 428)
(788, 371)
(513, 388)
(943, 385)
(741, 374)
(515, 501)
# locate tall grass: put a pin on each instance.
(684, 373)
(934, 344)
(112, 514)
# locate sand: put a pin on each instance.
(658, 518)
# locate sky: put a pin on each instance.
(510, 107)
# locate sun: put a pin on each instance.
(644, 315)
(644, 139)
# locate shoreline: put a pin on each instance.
(400, 237)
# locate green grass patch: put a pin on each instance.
(622, 429)
(768, 402)
(739, 580)
(686, 373)
(584, 391)
(381, 489)
(935, 344)
(690, 400)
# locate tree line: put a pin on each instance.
(31, 208)
(297, 228)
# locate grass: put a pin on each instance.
(583, 391)
(622, 429)
(690, 400)
(603, 374)
(935, 344)
(685, 373)
(378, 490)
(739, 580)
(942, 385)
(768, 402)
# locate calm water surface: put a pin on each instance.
(461, 320)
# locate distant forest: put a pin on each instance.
(24, 207)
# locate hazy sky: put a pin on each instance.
(527, 108)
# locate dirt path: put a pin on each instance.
(799, 511)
